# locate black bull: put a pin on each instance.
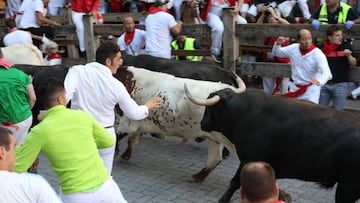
(299, 139)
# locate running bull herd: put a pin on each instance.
(299, 139)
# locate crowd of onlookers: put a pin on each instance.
(163, 25)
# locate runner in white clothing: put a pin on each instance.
(309, 66)
(159, 26)
(93, 89)
(19, 188)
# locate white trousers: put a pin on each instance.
(177, 7)
(303, 5)
(20, 130)
(80, 32)
(109, 192)
(107, 154)
(217, 28)
(269, 84)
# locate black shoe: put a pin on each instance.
(82, 54)
(217, 58)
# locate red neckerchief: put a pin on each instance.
(8, 124)
(302, 89)
(154, 9)
(13, 29)
(54, 56)
(129, 36)
(5, 63)
(303, 52)
(328, 48)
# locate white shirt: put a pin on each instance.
(136, 44)
(158, 36)
(29, 18)
(57, 3)
(26, 187)
(92, 88)
(17, 37)
(304, 67)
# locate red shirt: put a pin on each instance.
(85, 6)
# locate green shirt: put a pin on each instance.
(70, 139)
(14, 102)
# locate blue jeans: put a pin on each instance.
(335, 92)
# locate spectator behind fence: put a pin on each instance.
(132, 42)
(20, 11)
(211, 15)
(17, 97)
(309, 66)
(78, 9)
(16, 36)
(159, 25)
(93, 89)
(70, 140)
(12, 6)
(52, 53)
(34, 14)
(334, 12)
(182, 42)
(258, 183)
(272, 85)
(340, 60)
(19, 188)
(56, 7)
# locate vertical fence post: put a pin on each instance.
(72, 50)
(89, 38)
(230, 42)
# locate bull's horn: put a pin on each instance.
(208, 102)
(240, 83)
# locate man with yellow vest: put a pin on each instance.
(334, 12)
(185, 43)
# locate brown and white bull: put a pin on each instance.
(177, 115)
(23, 54)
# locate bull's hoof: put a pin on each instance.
(199, 177)
(284, 196)
(126, 155)
(223, 200)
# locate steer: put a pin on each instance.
(177, 116)
(40, 74)
(299, 139)
(23, 54)
(208, 71)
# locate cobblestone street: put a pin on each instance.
(160, 171)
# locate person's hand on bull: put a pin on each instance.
(153, 103)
